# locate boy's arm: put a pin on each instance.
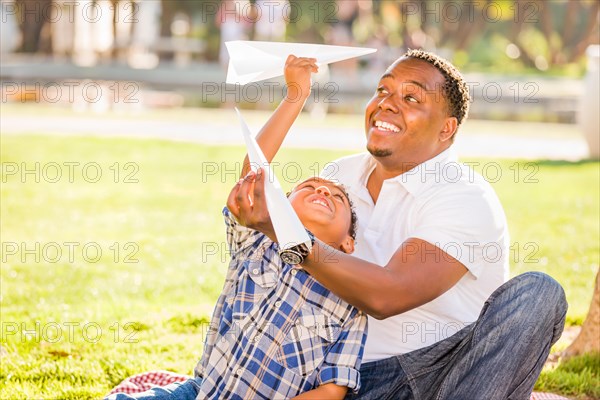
(329, 391)
(340, 370)
(297, 78)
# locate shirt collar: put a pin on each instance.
(414, 181)
(358, 185)
(426, 174)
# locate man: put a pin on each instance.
(431, 258)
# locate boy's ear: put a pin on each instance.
(347, 246)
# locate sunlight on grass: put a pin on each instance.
(578, 377)
(154, 213)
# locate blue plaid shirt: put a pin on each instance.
(275, 331)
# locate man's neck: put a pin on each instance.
(375, 180)
(383, 172)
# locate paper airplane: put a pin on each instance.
(288, 227)
(251, 61)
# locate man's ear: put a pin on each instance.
(449, 129)
(347, 246)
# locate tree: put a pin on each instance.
(32, 19)
(588, 339)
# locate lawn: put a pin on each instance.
(113, 254)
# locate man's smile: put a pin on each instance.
(386, 126)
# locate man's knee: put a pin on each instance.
(532, 303)
(534, 294)
(545, 288)
(547, 299)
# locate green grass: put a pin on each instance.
(578, 377)
(104, 318)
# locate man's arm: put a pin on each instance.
(297, 78)
(329, 391)
(417, 273)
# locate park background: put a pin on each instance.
(119, 145)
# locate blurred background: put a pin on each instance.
(118, 136)
(534, 61)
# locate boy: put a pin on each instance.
(288, 333)
(276, 332)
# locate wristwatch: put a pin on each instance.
(296, 254)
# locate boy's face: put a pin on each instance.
(324, 209)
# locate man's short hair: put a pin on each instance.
(455, 89)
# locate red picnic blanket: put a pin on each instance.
(147, 380)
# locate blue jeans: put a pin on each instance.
(498, 357)
(187, 390)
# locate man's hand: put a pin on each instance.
(248, 204)
(297, 76)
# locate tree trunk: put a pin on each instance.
(588, 339)
(573, 8)
(590, 34)
(33, 17)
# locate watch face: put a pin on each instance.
(290, 257)
(302, 249)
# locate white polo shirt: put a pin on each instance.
(446, 204)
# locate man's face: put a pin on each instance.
(406, 121)
(324, 209)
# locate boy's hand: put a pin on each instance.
(248, 204)
(297, 76)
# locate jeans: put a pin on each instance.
(498, 357)
(187, 390)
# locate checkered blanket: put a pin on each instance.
(147, 380)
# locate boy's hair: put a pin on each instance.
(455, 88)
(353, 216)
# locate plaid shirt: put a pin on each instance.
(275, 331)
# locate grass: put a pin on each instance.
(578, 377)
(74, 325)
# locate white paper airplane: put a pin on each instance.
(288, 227)
(251, 61)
